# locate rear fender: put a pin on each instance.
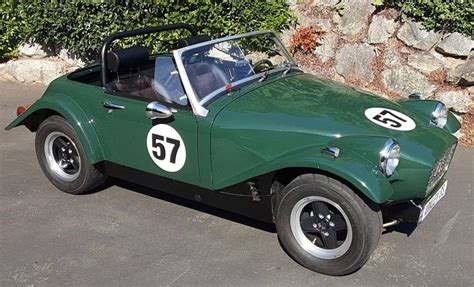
(70, 110)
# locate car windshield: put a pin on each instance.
(212, 67)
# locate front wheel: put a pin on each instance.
(325, 226)
(62, 157)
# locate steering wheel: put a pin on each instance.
(262, 65)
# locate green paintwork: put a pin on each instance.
(288, 121)
(280, 123)
(71, 106)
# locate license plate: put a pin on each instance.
(428, 206)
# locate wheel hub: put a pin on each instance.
(321, 227)
(62, 156)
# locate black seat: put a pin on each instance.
(205, 78)
(126, 64)
(204, 75)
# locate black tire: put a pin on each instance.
(365, 224)
(78, 179)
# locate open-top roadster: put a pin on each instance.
(233, 123)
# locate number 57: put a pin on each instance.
(160, 153)
(383, 117)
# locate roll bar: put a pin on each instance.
(108, 41)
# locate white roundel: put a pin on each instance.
(390, 119)
(166, 148)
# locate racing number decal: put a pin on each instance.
(166, 148)
(390, 119)
(160, 153)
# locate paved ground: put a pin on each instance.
(130, 236)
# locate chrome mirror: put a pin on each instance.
(155, 110)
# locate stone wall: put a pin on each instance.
(385, 52)
(379, 50)
(35, 64)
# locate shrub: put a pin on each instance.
(305, 39)
(80, 26)
(440, 15)
(12, 29)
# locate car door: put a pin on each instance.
(164, 147)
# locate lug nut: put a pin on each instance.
(331, 224)
(320, 216)
(326, 233)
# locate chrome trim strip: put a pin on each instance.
(196, 104)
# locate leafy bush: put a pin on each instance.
(80, 26)
(305, 39)
(12, 30)
(441, 15)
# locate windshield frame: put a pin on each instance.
(198, 105)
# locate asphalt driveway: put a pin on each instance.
(131, 236)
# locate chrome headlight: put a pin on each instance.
(439, 117)
(389, 157)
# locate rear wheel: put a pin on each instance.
(325, 226)
(62, 158)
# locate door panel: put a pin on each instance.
(169, 150)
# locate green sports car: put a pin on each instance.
(233, 123)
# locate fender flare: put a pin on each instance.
(356, 170)
(354, 165)
(70, 110)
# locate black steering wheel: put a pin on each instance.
(262, 65)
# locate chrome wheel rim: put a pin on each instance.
(62, 157)
(321, 227)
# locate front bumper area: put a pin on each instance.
(415, 211)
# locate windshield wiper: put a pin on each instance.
(288, 68)
(265, 75)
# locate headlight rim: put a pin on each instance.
(437, 112)
(385, 153)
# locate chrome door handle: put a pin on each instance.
(112, 106)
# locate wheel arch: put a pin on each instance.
(356, 172)
(72, 112)
(286, 175)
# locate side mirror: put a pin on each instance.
(155, 110)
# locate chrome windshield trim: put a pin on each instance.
(196, 104)
(191, 95)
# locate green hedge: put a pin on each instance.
(81, 26)
(440, 15)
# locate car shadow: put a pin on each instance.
(268, 227)
(406, 228)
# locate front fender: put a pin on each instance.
(69, 109)
(356, 167)
(426, 107)
(349, 165)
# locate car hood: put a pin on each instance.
(302, 103)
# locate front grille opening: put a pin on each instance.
(440, 167)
